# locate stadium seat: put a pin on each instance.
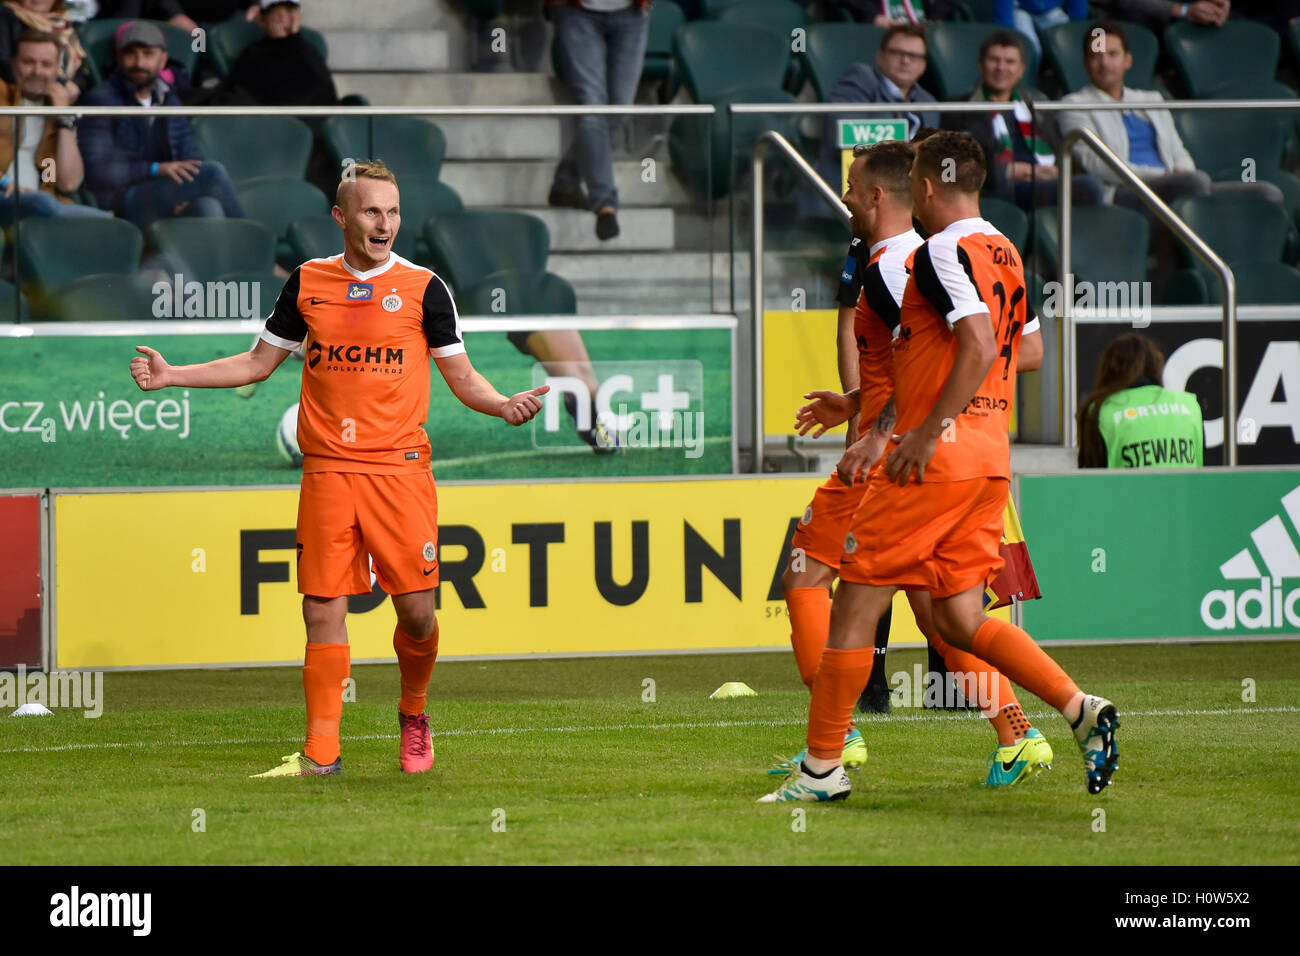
(713, 9)
(1239, 228)
(53, 251)
(268, 285)
(832, 48)
(315, 237)
(1109, 243)
(227, 40)
(1206, 57)
(1219, 140)
(409, 146)
(275, 202)
(953, 57)
(13, 304)
(202, 249)
(665, 18)
(100, 298)
(97, 39)
(779, 17)
(422, 200)
(1009, 218)
(706, 150)
(1063, 49)
(715, 58)
(1261, 283)
(469, 245)
(512, 292)
(254, 146)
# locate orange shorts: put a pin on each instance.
(821, 529)
(345, 516)
(942, 537)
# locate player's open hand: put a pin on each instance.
(824, 412)
(914, 451)
(861, 455)
(149, 369)
(522, 406)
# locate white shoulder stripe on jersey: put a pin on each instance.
(948, 270)
(893, 263)
(447, 351)
(280, 343)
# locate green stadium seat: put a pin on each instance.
(13, 304)
(715, 58)
(268, 286)
(275, 202)
(1239, 228)
(202, 249)
(1206, 57)
(833, 47)
(254, 146)
(1009, 218)
(1261, 283)
(1063, 49)
(706, 150)
(100, 298)
(421, 201)
(227, 40)
(97, 39)
(954, 49)
(665, 18)
(410, 147)
(713, 9)
(525, 293)
(53, 251)
(1109, 243)
(315, 237)
(469, 245)
(1219, 140)
(978, 10)
(779, 17)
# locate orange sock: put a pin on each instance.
(1014, 653)
(989, 683)
(324, 669)
(839, 682)
(415, 660)
(810, 625)
(1011, 724)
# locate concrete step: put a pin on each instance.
(573, 230)
(393, 50)
(452, 89)
(529, 183)
(398, 14)
(501, 137)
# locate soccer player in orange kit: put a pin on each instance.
(954, 366)
(370, 320)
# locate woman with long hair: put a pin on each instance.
(1130, 420)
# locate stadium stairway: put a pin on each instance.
(660, 256)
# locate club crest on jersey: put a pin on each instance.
(850, 543)
(360, 290)
(430, 552)
(392, 303)
(807, 515)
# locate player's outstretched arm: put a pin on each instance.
(151, 371)
(976, 350)
(476, 392)
(825, 411)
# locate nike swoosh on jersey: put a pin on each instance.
(316, 301)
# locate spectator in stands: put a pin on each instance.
(46, 16)
(168, 10)
(599, 52)
(889, 13)
(1130, 420)
(1144, 138)
(208, 13)
(1155, 15)
(282, 68)
(1021, 156)
(45, 161)
(148, 168)
(1031, 17)
(1281, 15)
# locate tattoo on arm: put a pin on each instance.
(887, 418)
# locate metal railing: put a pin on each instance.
(1183, 232)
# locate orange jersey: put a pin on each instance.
(875, 320)
(968, 269)
(365, 381)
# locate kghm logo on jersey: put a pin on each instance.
(356, 358)
(360, 290)
(1269, 604)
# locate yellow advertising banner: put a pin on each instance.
(207, 578)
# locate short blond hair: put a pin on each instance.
(370, 169)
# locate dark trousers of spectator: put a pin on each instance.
(37, 202)
(209, 193)
(599, 56)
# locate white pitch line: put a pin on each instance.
(682, 725)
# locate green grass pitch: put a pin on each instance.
(580, 769)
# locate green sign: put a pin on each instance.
(867, 130)
(70, 415)
(1141, 556)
